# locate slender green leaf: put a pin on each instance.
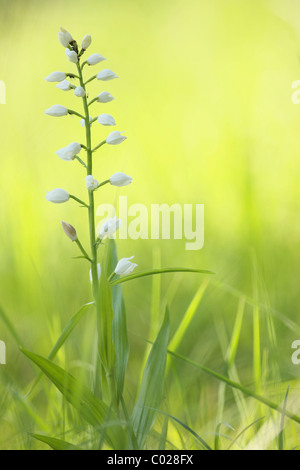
(10, 327)
(159, 271)
(64, 336)
(151, 389)
(93, 410)
(237, 386)
(187, 428)
(119, 324)
(188, 317)
(280, 436)
(55, 444)
(243, 431)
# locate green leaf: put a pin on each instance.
(93, 410)
(159, 271)
(151, 389)
(237, 386)
(64, 336)
(188, 317)
(243, 431)
(280, 436)
(55, 444)
(119, 325)
(187, 428)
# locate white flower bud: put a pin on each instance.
(86, 42)
(74, 147)
(72, 56)
(106, 75)
(64, 85)
(57, 196)
(105, 97)
(98, 273)
(109, 227)
(68, 153)
(57, 110)
(91, 183)
(64, 37)
(69, 231)
(82, 121)
(95, 59)
(56, 77)
(115, 138)
(79, 91)
(106, 120)
(125, 267)
(120, 179)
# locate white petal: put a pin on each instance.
(106, 120)
(106, 75)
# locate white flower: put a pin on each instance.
(106, 120)
(106, 75)
(91, 183)
(86, 42)
(64, 85)
(109, 227)
(98, 272)
(57, 196)
(68, 153)
(57, 110)
(56, 77)
(72, 56)
(74, 147)
(82, 121)
(105, 97)
(125, 266)
(115, 138)
(120, 179)
(64, 37)
(79, 91)
(95, 59)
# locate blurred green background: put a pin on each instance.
(204, 95)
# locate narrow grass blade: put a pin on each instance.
(217, 436)
(151, 389)
(55, 444)
(257, 372)
(187, 317)
(237, 386)
(159, 271)
(187, 428)
(163, 436)
(10, 327)
(119, 324)
(64, 336)
(93, 410)
(280, 436)
(243, 431)
(235, 338)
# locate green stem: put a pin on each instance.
(93, 101)
(80, 161)
(99, 145)
(82, 250)
(92, 231)
(71, 111)
(78, 200)
(90, 79)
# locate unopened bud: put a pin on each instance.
(69, 231)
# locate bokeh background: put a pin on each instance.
(204, 95)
